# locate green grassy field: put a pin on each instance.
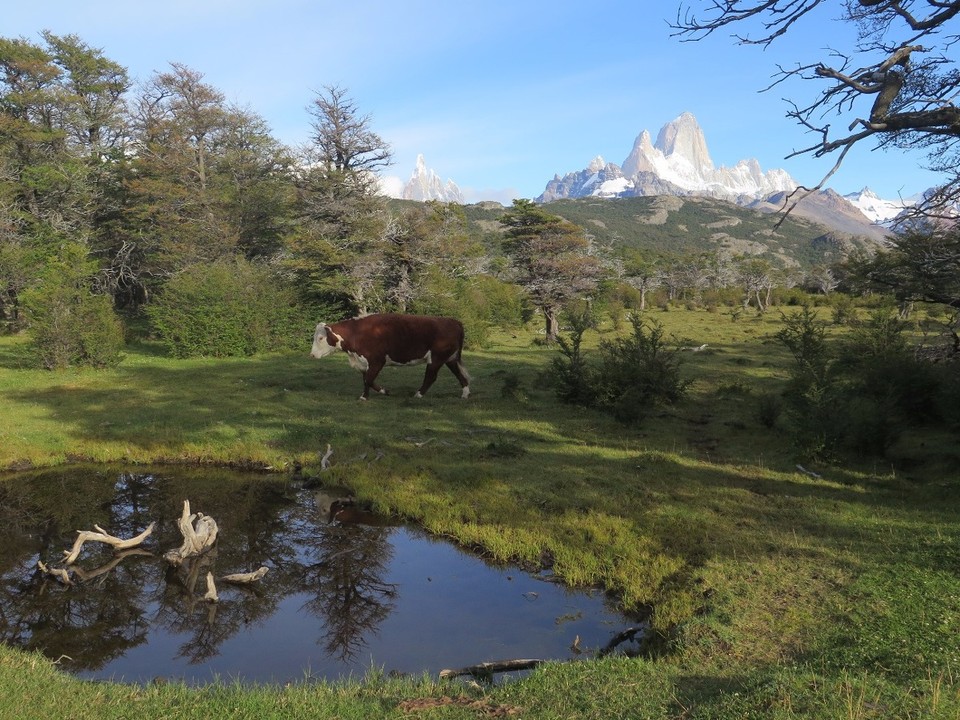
(776, 593)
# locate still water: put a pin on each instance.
(346, 591)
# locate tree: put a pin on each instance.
(172, 209)
(922, 266)
(61, 130)
(641, 274)
(755, 275)
(341, 211)
(551, 258)
(895, 87)
(339, 184)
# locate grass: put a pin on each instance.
(776, 593)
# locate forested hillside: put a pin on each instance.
(665, 227)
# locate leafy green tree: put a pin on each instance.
(756, 276)
(205, 182)
(70, 325)
(172, 205)
(61, 129)
(642, 274)
(551, 258)
(253, 174)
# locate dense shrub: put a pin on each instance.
(631, 373)
(230, 308)
(638, 371)
(70, 325)
(859, 394)
(572, 378)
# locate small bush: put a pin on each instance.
(572, 377)
(231, 308)
(859, 395)
(631, 375)
(769, 409)
(69, 324)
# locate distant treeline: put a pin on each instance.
(162, 201)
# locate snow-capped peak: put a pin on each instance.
(876, 209)
(678, 161)
(424, 184)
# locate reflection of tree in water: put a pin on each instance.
(119, 601)
(254, 530)
(92, 623)
(351, 597)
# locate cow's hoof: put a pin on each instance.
(466, 393)
(418, 394)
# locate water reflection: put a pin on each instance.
(343, 593)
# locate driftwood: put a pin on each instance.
(247, 577)
(61, 574)
(102, 536)
(199, 535)
(489, 668)
(211, 595)
(122, 548)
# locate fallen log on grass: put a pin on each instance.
(486, 669)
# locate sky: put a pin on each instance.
(498, 96)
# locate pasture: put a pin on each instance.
(829, 590)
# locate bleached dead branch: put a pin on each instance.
(199, 535)
(98, 534)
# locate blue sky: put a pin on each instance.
(498, 96)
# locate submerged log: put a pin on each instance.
(620, 638)
(98, 534)
(83, 576)
(199, 535)
(247, 577)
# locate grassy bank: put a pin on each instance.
(778, 593)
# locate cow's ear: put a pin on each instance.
(330, 337)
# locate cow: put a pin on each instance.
(373, 341)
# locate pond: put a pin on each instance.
(345, 591)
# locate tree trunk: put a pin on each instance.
(552, 324)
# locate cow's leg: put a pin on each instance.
(457, 368)
(428, 378)
(370, 380)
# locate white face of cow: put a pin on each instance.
(322, 348)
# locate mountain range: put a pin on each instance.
(678, 163)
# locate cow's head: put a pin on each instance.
(325, 341)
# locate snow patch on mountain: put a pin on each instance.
(878, 210)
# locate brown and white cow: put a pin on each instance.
(373, 341)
